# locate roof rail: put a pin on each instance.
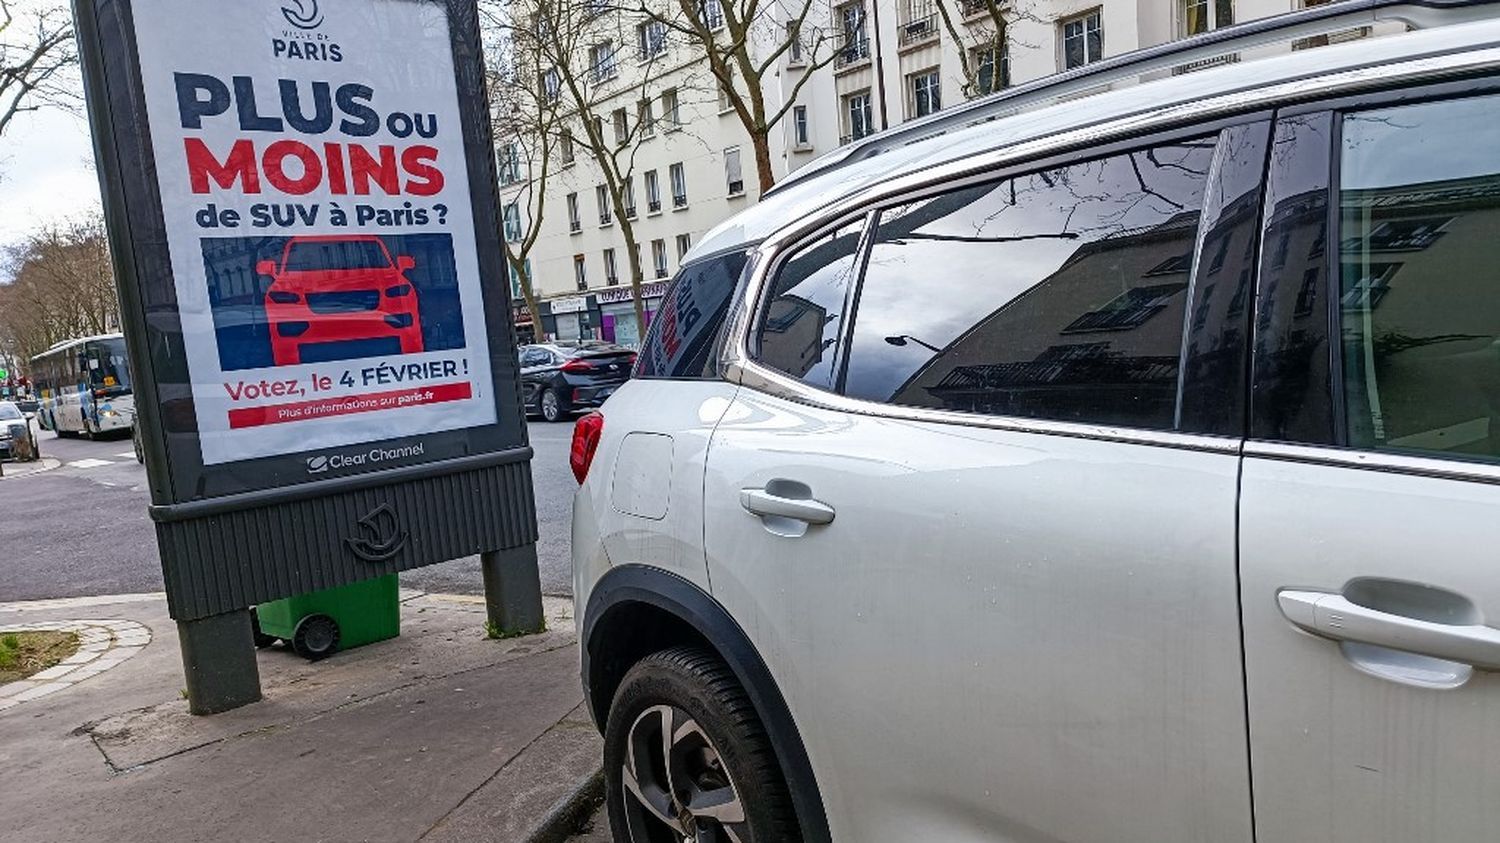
(1315, 20)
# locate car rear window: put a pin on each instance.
(349, 254)
(682, 338)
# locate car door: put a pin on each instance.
(534, 360)
(982, 531)
(1370, 520)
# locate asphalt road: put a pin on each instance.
(81, 528)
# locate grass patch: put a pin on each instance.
(25, 653)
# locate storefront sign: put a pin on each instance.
(654, 290)
(572, 304)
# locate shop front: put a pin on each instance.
(617, 312)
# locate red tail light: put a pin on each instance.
(578, 365)
(586, 433)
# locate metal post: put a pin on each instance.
(218, 658)
(513, 590)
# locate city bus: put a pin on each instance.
(84, 386)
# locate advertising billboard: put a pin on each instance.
(301, 202)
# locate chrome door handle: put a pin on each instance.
(1334, 616)
(764, 503)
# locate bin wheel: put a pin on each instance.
(315, 637)
(262, 640)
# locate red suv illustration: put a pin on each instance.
(335, 297)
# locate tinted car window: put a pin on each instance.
(682, 339)
(1057, 295)
(9, 411)
(314, 255)
(1419, 297)
(800, 329)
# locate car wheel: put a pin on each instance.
(135, 442)
(686, 757)
(552, 409)
(315, 637)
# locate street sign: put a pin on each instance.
(301, 202)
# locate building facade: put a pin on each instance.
(874, 64)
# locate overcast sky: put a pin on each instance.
(46, 172)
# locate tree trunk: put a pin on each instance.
(761, 143)
(633, 255)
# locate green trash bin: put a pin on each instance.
(323, 622)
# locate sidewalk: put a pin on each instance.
(13, 468)
(440, 734)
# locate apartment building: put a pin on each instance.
(874, 64)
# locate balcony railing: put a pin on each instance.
(918, 30)
(575, 226)
(975, 8)
(630, 212)
(661, 272)
(855, 49)
(653, 206)
(679, 201)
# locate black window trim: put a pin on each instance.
(1053, 158)
(1336, 451)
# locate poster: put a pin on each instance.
(316, 200)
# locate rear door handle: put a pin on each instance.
(764, 503)
(1334, 616)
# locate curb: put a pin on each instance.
(562, 820)
(45, 464)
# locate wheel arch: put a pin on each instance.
(636, 610)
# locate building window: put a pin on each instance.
(711, 12)
(857, 120)
(611, 277)
(601, 193)
(645, 119)
(684, 243)
(794, 55)
(575, 224)
(565, 147)
(512, 222)
(726, 100)
(552, 85)
(679, 185)
(630, 197)
(926, 93)
(991, 67)
(602, 61)
(1082, 39)
(510, 164)
(801, 132)
(1196, 17)
(651, 38)
(598, 137)
(653, 192)
(659, 257)
(855, 39)
(733, 178)
(580, 273)
(917, 21)
(621, 126)
(669, 110)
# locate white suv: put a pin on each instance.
(1098, 470)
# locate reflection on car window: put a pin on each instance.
(681, 340)
(314, 255)
(799, 333)
(1419, 240)
(1056, 295)
(9, 411)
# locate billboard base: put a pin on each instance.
(513, 591)
(218, 659)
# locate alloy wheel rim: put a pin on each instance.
(549, 405)
(675, 784)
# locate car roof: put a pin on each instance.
(829, 184)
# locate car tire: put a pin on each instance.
(551, 405)
(135, 442)
(316, 637)
(724, 771)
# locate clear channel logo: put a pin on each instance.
(320, 463)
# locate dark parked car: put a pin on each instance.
(560, 377)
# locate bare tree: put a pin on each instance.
(579, 50)
(745, 44)
(37, 53)
(526, 124)
(983, 53)
(63, 288)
